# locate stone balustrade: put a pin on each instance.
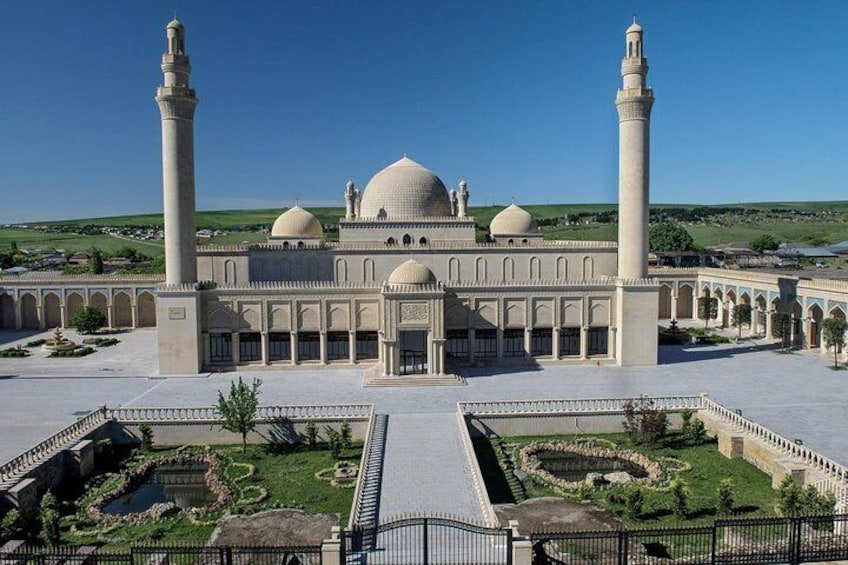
(577, 406)
(810, 457)
(19, 466)
(264, 413)
(356, 508)
(491, 519)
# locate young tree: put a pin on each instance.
(669, 236)
(790, 497)
(726, 496)
(833, 334)
(311, 433)
(780, 325)
(707, 309)
(146, 437)
(89, 320)
(48, 514)
(680, 498)
(238, 409)
(741, 315)
(634, 502)
(95, 261)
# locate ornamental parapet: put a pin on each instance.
(638, 282)
(575, 406)
(634, 107)
(263, 413)
(534, 283)
(298, 285)
(80, 278)
(408, 220)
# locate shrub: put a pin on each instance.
(680, 498)
(12, 526)
(14, 352)
(88, 320)
(35, 343)
(634, 502)
(644, 423)
(78, 352)
(146, 437)
(48, 514)
(311, 434)
(346, 435)
(791, 497)
(334, 439)
(725, 495)
(692, 430)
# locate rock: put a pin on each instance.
(596, 479)
(619, 478)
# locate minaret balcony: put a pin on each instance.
(183, 91)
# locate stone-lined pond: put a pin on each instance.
(574, 467)
(183, 484)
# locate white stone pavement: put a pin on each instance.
(796, 395)
(425, 469)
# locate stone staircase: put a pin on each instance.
(372, 475)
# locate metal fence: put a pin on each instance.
(166, 555)
(427, 541)
(756, 541)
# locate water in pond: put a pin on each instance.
(184, 485)
(573, 467)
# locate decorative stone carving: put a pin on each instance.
(411, 312)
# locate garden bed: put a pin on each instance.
(701, 467)
(265, 477)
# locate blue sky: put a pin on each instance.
(296, 97)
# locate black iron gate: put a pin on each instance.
(427, 541)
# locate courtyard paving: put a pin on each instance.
(796, 395)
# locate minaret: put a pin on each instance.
(177, 103)
(350, 200)
(634, 102)
(462, 203)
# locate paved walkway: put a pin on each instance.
(425, 469)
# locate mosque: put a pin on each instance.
(408, 291)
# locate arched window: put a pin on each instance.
(629, 48)
(300, 245)
(390, 241)
(524, 241)
(285, 245)
(511, 241)
(407, 239)
(422, 241)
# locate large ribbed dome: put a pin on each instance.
(412, 272)
(513, 220)
(405, 189)
(297, 222)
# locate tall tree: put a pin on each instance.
(707, 309)
(741, 315)
(238, 409)
(669, 236)
(833, 333)
(95, 261)
(780, 325)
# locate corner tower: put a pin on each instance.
(177, 102)
(634, 103)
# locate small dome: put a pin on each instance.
(513, 220)
(634, 27)
(175, 24)
(297, 222)
(405, 189)
(412, 272)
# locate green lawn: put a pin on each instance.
(287, 474)
(754, 495)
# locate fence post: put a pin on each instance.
(228, 556)
(426, 561)
(333, 548)
(623, 542)
(714, 544)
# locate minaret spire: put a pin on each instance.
(177, 102)
(633, 102)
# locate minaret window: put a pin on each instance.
(422, 241)
(629, 48)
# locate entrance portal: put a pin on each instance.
(413, 352)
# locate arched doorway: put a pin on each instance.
(52, 311)
(797, 324)
(816, 315)
(29, 313)
(7, 312)
(121, 310)
(665, 302)
(760, 315)
(729, 303)
(722, 307)
(685, 302)
(98, 300)
(73, 304)
(146, 305)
